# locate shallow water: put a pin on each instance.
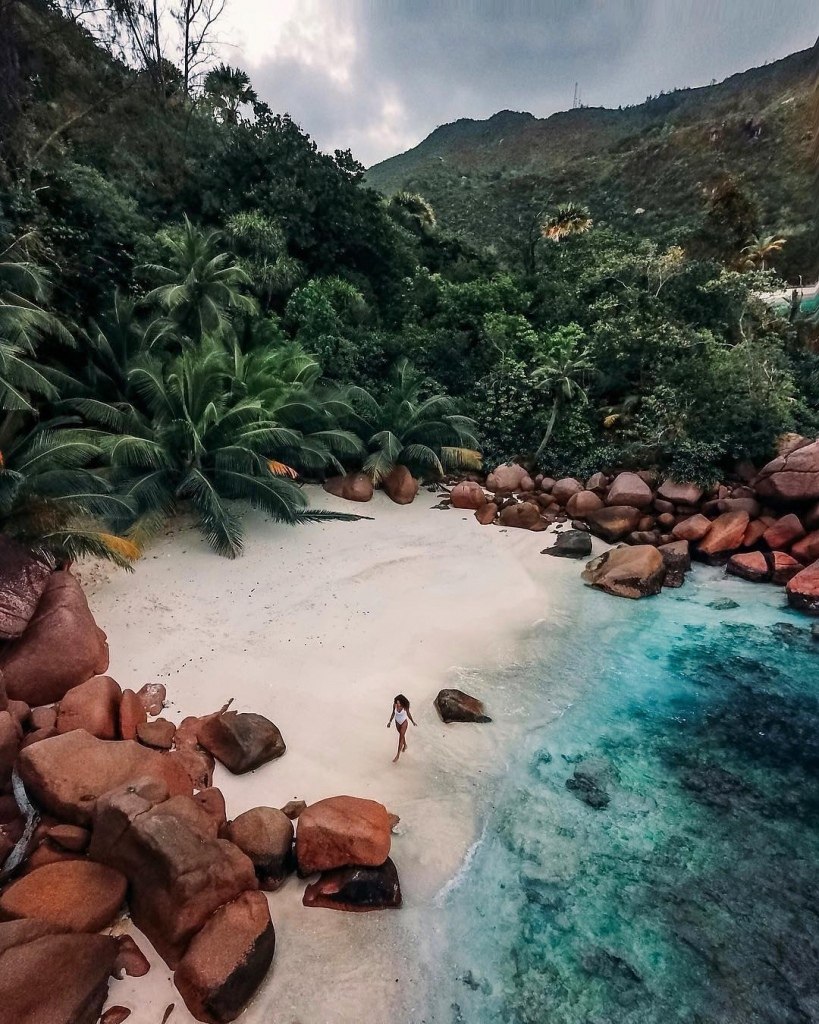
(675, 879)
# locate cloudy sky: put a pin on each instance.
(378, 75)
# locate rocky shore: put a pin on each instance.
(762, 526)
(107, 808)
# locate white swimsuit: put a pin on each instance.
(400, 717)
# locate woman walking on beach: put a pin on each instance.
(401, 712)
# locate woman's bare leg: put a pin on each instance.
(404, 729)
(400, 742)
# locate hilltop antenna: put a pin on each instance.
(576, 100)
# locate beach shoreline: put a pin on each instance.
(317, 628)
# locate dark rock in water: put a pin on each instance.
(613, 968)
(814, 631)
(457, 706)
(590, 779)
(723, 604)
(579, 524)
(572, 544)
(716, 787)
(677, 559)
(356, 889)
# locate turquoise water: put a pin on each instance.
(690, 892)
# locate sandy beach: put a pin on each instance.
(317, 628)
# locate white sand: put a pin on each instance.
(318, 627)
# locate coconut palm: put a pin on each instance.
(227, 89)
(562, 375)
(23, 323)
(761, 250)
(201, 449)
(200, 285)
(570, 219)
(412, 211)
(56, 503)
(423, 434)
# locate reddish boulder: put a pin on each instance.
(177, 872)
(265, 834)
(227, 961)
(807, 549)
(631, 572)
(400, 486)
(93, 706)
(791, 477)
(352, 487)
(115, 1015)
(523, 516)
(53, 979)
(613, 523)
(467, 494)
(131, 961)
(487, 513)
(565, 488)
(152, 696)
(510, 478)
(131, 715)
(754, 533)
(580, 504)
(73, 838)
(749, 505)
(784, 532)
(356, 889)
(597, 482)
(803, 590)
(241, 742)
(677, 559)
(213, 804)
(680, 493)
(341, 831)
(457, 706)
(44, 717)
(197, 764)
(293, 808)
(61, 647)
(67, 774)
(784, 568)
(23, 579)
(629, 489)
(73, 895)
(158, 734)
(10, 739)
(752, 565)
(724, 537)
(692, 529)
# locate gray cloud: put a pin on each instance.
(378, 75)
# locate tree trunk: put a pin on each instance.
(549, 428)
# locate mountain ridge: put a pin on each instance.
(752, 126)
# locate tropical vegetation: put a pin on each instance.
(200, 311)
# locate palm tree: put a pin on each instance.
(570, 219)
(562, 375)
(425, 435)
(760, 250)
(203, 449)
(201, 285)
(24, 322)
(56, 503)
(227, 89)
(412, 212)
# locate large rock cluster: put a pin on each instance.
(107, 809)
(762, 528)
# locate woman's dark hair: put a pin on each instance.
(402, 700)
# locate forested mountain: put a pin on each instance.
(648, 168)
(198, 308)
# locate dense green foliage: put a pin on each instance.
(199, 308)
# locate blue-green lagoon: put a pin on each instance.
(676, 877)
